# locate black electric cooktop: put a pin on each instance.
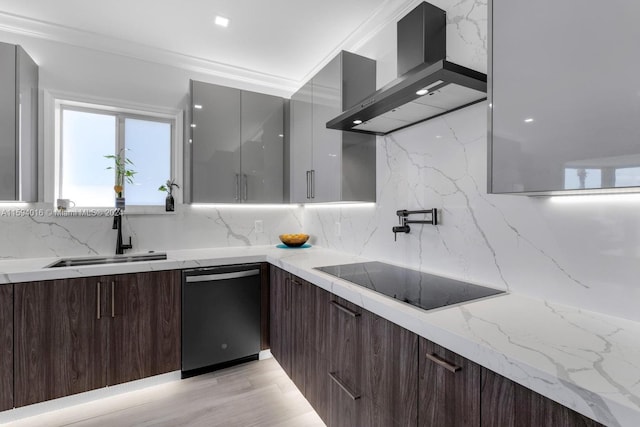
(410, 286)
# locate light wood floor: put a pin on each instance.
(254, 394)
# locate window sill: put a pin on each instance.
(80, 211)
(146, 210)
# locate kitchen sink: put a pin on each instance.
(116, 259)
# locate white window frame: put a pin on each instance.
(52, 150)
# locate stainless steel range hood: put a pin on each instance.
(429, 86)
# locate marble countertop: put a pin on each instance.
(587, 361)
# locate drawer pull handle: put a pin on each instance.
(440, 361)
(113, 299)
(98, 300)
(344, 309)
(335, 379)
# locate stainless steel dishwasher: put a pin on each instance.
(220, 317)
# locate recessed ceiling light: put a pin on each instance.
(193, 125)
(422, 92)
(529, 120)
(222, 21)
(198, 107)
(357, 122)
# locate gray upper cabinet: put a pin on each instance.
(18, 125)
(300, 158)
(328, 165)
(261, 156)
(237, 145)
(564, 96)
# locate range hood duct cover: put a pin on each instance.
(422, 66)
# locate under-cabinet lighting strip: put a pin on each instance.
(596, 198)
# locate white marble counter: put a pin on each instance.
(586, 361)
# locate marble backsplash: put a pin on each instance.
(41, 235)
(582, 251)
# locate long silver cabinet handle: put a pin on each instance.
(246, 187)
(351, 394)
(98, 300)
(344, 309)
(113, 299)
(445, 364)
(222, 276)
(308, 184)
(237, 195)
(313, 184)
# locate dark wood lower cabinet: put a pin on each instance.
(145, 329)
(6, 347)
(389, 367)
(508, 404)
(280, 317)
(449, 388)
(76, 335)
(358, 369)
(373, 367)
(315, 309)
(60, 338)
(298, 290)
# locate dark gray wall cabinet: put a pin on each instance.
(237, 140)
(564, 102)
(328, 165)
(18, 125)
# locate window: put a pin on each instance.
(581, 178)
(89, 134)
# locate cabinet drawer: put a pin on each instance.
(346, 342)
(449, 388)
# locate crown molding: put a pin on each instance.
(89, 40)
(388, 12)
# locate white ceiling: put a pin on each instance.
(279, 41)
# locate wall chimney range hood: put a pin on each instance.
(428, 85)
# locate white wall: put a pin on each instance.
(582, 251)
(93, 74)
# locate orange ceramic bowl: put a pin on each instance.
(294, 240)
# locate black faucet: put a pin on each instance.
(404, 221)
(117, 224)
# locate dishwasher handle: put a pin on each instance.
(222, 276)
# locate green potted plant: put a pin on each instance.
(122, 167)
(169, 203)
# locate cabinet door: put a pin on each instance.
(6, 347)
(280, 317)
(262, 148)
(8, 184)
(60, 338)
(345, 363)
(553, 125)
(215, 143)
(27, 87)
(145, 332)
(301, 143)
(316, 346)
(389, 380)
(449, 388)
(299, 321)
(327, 143)
(507, 404)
